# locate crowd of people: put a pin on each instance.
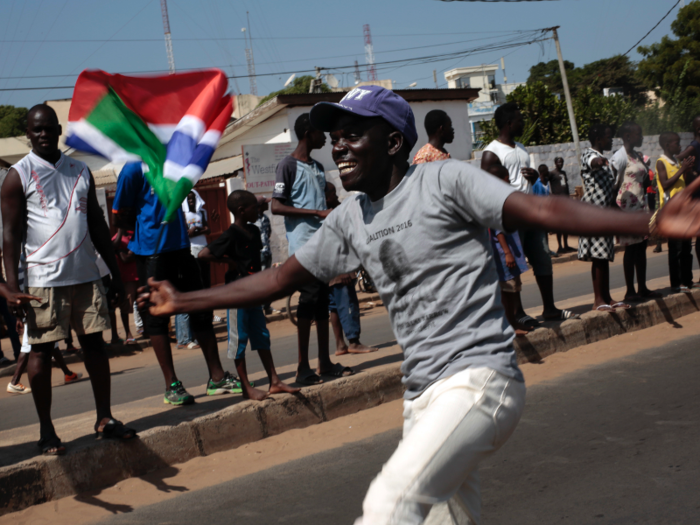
(444, 242)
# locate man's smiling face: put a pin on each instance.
(361, 151)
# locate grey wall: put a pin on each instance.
(572, 165)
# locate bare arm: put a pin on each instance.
(687, 152)
(204, 230)
(206, 255)
(667, 183)
(14, 208)
(678, 219)
(257, 289)
(279, 208)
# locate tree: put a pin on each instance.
(547, 120)
(617, 71)
(548, 73)
(298, 86)
(13, 121)
(665, 61)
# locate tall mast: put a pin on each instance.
(249, 58)
(166, 30)
(369, 54)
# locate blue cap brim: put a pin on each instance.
(324, 115)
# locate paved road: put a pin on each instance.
(132, 385)
(614, 444)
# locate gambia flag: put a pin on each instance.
(171, 123)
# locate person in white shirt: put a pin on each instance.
(505, 153)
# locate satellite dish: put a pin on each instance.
(289, 80)
(331, 81)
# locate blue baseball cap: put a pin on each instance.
(368, 101)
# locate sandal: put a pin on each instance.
(51, 446)
(338, 370)
(604, 308)
(621, 305)
(528, 321)
(563, 315)
(308, 378)
(115, 430)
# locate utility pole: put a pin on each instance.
(249, 57)
(166, 30)
(567, 94)
(315, 86)
(435, 78)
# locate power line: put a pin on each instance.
(535, 37)
(122, 40)
(652, 29)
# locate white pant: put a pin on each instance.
(448, 430)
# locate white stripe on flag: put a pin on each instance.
(164, 132)
(211, 138)
(100, 142)
(175, 172)
(192, 127)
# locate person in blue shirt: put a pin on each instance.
(300, 196)
(541, 187)
(171, 259)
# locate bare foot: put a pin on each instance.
(341, 349)
(254, 394)
(281, 388)
(359, 348)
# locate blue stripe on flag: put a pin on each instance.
(74, 141)
(180, 148)
(202, 155)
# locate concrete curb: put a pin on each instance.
(101, 464)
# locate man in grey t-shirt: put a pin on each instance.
(422, 233)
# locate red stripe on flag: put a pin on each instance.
(223, 114)
(157, 100)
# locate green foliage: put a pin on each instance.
(617, 71)
(665, 61)
(13, 121)
(298, 86)
(547, 120)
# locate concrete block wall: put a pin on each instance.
(547, 153)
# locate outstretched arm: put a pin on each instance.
(678, 219)
(258, 289)
(279, 208)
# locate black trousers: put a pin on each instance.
(680, 263)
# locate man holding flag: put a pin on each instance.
(49, 202)
(166, 129)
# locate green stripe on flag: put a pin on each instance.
(116, 121)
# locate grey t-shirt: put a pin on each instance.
(426, 247)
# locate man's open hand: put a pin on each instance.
(161, 299)
(680, 217)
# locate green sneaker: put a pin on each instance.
(177, 395)
(228, 385)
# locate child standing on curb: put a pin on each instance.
(510, 263)
(239, 247)
(671, 180)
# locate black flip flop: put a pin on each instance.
(338, 370)
(115, 430)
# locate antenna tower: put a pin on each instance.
(166, 30)
(369, 54)
(358, 78)
(249, 59)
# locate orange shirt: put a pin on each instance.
(429, 153)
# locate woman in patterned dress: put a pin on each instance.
(599, 190)
(633, 180)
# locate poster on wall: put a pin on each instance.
(260, 163)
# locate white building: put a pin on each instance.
(491, 94)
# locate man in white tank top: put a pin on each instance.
(49, 201)
(506, 154)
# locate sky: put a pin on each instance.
(47, 43)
